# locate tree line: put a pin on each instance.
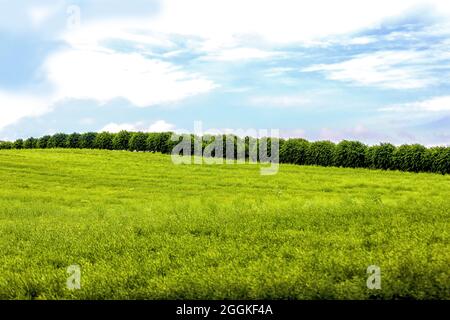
(349, 154)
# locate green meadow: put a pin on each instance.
(140, 227)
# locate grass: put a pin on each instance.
(142, 228)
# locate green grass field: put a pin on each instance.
(141, 227)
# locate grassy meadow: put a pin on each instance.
(141, 227)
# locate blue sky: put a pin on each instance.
(373, 71)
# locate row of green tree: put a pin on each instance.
(352, 154)
(124, 140)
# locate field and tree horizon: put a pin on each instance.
(347, 154)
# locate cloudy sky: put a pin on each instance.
(350, 69)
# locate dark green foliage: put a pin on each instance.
(18, 144)
(165, 143)
(6, 145)
(440, 160)
(73, 141)
(321, 153)
(87, 140)
(370, 156)
(350, 154)
(414, 158)
(138, 142)
(30, 143)
(159, 142)
(43, 142)
(281, 142)
(121, 140)
(380, 156)
(152, 142)
(104, 141)
(294, 151)
(57, 141)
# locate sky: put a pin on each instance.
(374, 71)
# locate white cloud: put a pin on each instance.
(92, 35)
(386, 69)
(231, 30)
(281, 21)
(237, 90)
(274, 20)
(90, 71)
(435, 104)
(281, 101)
(117, 127)
(161, 126)
(103, 76)
(157, 126)
(278, 71)
(362, 40)
(240, 54)
(15, 106)
(39, 15)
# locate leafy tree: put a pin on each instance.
(414, 158)
(138, 141)
(321, 153)
(18, 144)
(380, 156)
(30, 143)
(104, 141)
(58, 140)
(294, 151)
(73, 141)
(6, 145)
(165, 144)
(152, 142)
(42, 142)
(350, 154)
(121, 140)
(440, 160)
(87, 140)
(159, 142)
